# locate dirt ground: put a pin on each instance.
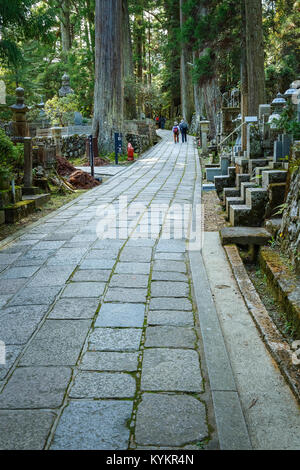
(214, 218)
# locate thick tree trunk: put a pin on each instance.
(198, 98)
(173, 13)
(186, 83)
(255, 55)
(244, 78)
(109, 91)
(65, 26)
(128, 69)
(212, 100)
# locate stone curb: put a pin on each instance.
(225, 397)
(278, 347)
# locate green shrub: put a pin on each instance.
(60, 111)
(11, 156)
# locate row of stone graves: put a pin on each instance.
(252, 183)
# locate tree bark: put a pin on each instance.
(185, 76)
(244, 78)
(65, 26)
(212, 100)
(198, 99)
(255, 55)
(109, 90)
(128, 69)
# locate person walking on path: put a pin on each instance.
(183, 129)
(176, 131)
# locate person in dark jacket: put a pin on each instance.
(183, 130)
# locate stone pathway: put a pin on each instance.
(101, 335)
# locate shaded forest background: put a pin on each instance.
(171, 51)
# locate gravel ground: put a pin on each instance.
(214, 218)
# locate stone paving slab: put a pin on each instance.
(103, 385)
(133, 268)
(11, 286)
(57, 343)
(35, 296)
(170, 337)
(125, 295)
(170, 303)
(97, 264)
(109, 361)
(11, 354)
(9, 258)
(17, 324)
(121, 315)
(169, 289)
(48, 245)
(129, 280)
(94, 425)
(93, 275)
(51, 276)
(34, 258)
(75, 309)
(18, 273)
(164, 265)
(108, 253)
(172, 318)
(25, 429)
(157, 424)
(171, 370)
(173, 246)
(170, 256)
(143, 254)
(112, 339)
(84, 289)
(35, 387)
(168, 276)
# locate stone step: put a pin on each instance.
(227, 181)
(242, 178)
(236, 192)
(17, 211)
(21, 209)
(244, 187)
(256, 198)
(273, 176)
(233, 201)
(231, 192)
(240, 215)
(251, 213)
(38, 199)
(245, 236)
(254, 163)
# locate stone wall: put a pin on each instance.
(73, 146)
(141, 134)
(290, 227)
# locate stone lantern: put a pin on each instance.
(20, 109)
(204, 126)
(277, 106)
(293, 94)
(65, 89)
